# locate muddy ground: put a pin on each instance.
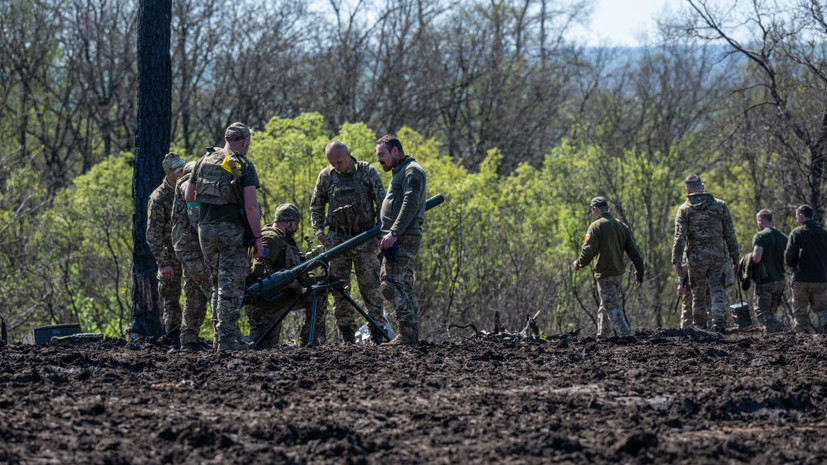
(664, 396)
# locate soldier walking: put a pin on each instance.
(768, 255)
(704, 227)
(607, 239)
(224, 184)
(197, 287)
(806, 254)
(402, 215)
(352, 192)
(159, 239)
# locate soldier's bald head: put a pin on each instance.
(335, 147)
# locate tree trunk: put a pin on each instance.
(151, 144)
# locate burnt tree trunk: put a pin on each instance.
(151, 144)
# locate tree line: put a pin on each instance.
(526, 124)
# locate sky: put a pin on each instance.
(621, 22)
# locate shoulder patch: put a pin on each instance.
(588, 236)
(149, 213)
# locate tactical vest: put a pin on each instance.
(351, 208)
(184, 218)
(217, 170)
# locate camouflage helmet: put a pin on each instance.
(172, 164)
(237, 131)
(287, 212)
(189, 166)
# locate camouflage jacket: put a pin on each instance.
(403, 209)
(159, 225)
(184, 220)
(607, 240)
(352, 199)
(703, 224)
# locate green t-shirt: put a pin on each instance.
(230, 212)
(773, 242)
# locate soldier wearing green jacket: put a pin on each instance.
(806, 254)
(607, 240)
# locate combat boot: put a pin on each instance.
(232, 345)
(348, 334)
(376, 337)
(408, 335)
(771, 324)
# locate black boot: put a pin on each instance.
(174, 339)
(348, 334)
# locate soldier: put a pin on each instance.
(281, 252)
(402, 215)
(768, 254)
(224, 184)
(806, 254)
(353, 192)
(704, 227)
(607, 239)
(159, 239)
(197, 289)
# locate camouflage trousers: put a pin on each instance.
(686, 310)
(226, 258)
(767, 300)
(396, 281)
(709, 273)
(197, 292)
(609, 314)
(814, 294)
(170, 291)
(364, 262)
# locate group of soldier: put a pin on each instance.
(204, 225)
(705, 253)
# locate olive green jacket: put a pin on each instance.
(606, 241)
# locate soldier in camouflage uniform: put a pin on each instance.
(402, 215)
(159, 239)
(352, 191)
(768, 254)
(224, 184)
(703, 226)
(607, 240)
(282, 252)
(806, 254)
(197, 289)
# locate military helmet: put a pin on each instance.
(287, 212)
(172, 164)
(599, 202)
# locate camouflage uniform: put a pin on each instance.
(403, 212)
(280, 253)
(197, 288)
(607, 240)
(704, 226)
(806, 254)
(159, 239)
(221, 233)
(353, 200)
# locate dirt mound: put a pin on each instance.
(659, 396)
